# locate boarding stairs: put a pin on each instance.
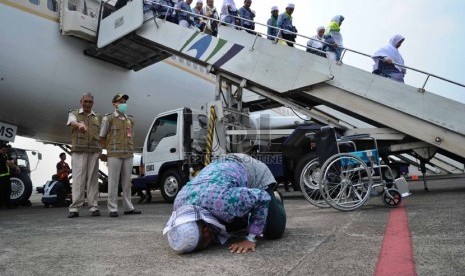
(286, 76)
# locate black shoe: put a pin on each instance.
(95, 213)
(133, 212)
(73, 215)
(142, 198)
(114, 214)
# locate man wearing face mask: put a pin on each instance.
(116, 135)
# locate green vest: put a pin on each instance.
(120, 140)
(89, 141)
(7, 168)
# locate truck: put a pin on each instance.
(179, 143)
(21, 184)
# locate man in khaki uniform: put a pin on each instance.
(86, 150)
(116, 135)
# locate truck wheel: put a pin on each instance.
(21, 189)
(300, 167)
(171, 183)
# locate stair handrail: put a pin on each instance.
(276, 38)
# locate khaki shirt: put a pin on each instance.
(118, 130)
(89, 141)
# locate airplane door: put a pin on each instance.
(162, 143)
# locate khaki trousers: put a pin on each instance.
(119, 171)
(85, 177)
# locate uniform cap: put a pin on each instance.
(200, 1)
(120, 96)
(290, 6)
(274, 8)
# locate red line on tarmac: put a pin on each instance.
(396, 256)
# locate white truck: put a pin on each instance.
(177, 144)
(172, 147)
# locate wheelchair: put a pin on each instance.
(344, 177)
(309, 186)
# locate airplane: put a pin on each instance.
(43, 75)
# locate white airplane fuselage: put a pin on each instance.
(43, 75)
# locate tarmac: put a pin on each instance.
(39, 241)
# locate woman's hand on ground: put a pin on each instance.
(242, 247)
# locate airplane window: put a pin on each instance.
(52, 5)
(163, 127)
(35, 2)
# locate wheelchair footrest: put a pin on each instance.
(402, 185)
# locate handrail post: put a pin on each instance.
(255, 41)
(343, 53)
(422, 89)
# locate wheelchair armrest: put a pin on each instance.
(354, 137)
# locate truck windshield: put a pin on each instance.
(20, 158)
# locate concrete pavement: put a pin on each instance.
(39, 241)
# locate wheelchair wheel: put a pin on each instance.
(392, 198)
(309, 184)
(345, 182)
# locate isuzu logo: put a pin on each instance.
(119, 22)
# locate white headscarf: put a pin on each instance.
(337, 36)
(183, 234)
(338, 19)
(315, 41)
(391, 51)
(184, 237)
(224, 8)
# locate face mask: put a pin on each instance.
(122, 107)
